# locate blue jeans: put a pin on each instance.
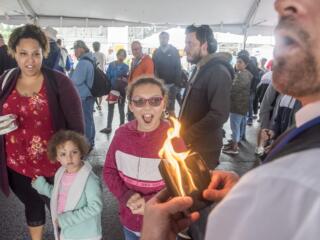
(250, 113)
(129, 235)
(172, 91)
(236, 124)
(243, 128)
(89, 130)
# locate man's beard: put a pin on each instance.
(297, 76)
(195, 58)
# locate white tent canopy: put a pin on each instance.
(236, 16)
(177, 39)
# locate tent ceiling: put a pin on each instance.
(226, 15)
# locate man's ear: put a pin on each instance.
(204, 48)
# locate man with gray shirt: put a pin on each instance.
(167, 66)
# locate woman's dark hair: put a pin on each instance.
(122, 51)
(63, 136)
(254, 61)
(28, 31)
(244, 58)
(143, 81)
(204, 34)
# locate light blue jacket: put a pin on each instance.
(81, 219)
(83, 75)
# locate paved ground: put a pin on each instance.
(12, 223)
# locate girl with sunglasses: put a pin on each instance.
(131, 167)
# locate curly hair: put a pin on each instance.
(28, 31)
(63, 136)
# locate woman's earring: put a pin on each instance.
(165, 114)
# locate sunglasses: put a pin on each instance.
(141, 102)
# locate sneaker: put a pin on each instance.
(106, 130)
(232, 151)
(227, 147)
(184, 235)
(259, 151)
(228, 144)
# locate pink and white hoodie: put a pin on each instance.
(132, 166)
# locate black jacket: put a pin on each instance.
(167, 65)
(256, 76)
(52, 61)
(206, 105)
(6, 61)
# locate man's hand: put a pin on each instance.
(164, 217)
(221, 183)
(57, 222)
(267, 134)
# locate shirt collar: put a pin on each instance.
(307, 113)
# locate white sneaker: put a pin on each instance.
(184, 234)
(259, 150)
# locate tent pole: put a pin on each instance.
(28, 11)
(248, 21)
(245, 37)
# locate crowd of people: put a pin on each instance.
(43, 160)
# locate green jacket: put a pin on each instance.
(82, 216)
(240, 93)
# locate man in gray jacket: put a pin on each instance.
(82, 77)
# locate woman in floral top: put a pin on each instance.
(43, 102)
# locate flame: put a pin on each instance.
(177, 160)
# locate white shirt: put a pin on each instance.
(276, 201)
(101, 60)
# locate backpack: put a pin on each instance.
(101, 84)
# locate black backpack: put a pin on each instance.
(101, 84)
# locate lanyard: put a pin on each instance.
(292, 135)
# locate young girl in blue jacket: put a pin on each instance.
(76, 196)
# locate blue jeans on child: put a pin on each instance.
(237, 124)
(130, 235)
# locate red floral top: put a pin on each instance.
(26, 147)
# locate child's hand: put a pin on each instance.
(139, 206)
(136, 204)
(132, 199)
(37, 182)
(34, 178)
(57, 222)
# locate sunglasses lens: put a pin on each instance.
(155, 101)
(139, 102)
